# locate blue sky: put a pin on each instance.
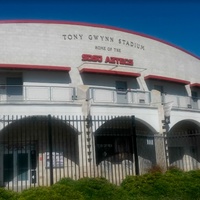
(174, 21)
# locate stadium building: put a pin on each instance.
(82, 100)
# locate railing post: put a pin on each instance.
(50, 148)
(149, 94)
(50, 97)
(135, 145)
(24, 93)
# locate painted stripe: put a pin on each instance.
(163, 78)
(109, 72)
(34, 67)
(195, 85)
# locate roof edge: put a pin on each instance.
(169, 79)
(34, 67)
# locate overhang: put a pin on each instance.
(34, 67)
(195, 85)
(109, 72)
(164, 78)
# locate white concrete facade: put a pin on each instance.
(64, 68)
(49, 44)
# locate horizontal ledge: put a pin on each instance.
(195, 85)
(163, 78)
(34, 67)
(109, 72)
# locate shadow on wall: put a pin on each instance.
(184, 145)
(114, 143)
(21, 137)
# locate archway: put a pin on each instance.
(183, 142)
(115, 150)
(25, 151)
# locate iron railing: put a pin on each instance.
(41, 150)
(186, 102)
(22, 93)
(113, 96)
(19, 93)
(183, 149)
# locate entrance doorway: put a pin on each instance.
(18, 167)
(14, 88)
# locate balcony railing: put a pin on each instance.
(113, 96)
(18, 93)
(182, 101)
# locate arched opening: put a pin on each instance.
(183, 143)
(25, 151)
(114, 146)
(113, 140)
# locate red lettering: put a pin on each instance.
(86, 57)
(107, 60)
(96, 58)
(112, 60)
(122, 61)
(91, 58)
(130, 62)
(126, 61)
(117, 60)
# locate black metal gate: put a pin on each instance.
(40, 150)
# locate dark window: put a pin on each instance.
(14, 88)
(121, 86)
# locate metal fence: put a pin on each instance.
(182, 101)
(108, 95)
(30, 93)
(40, 150)
(184, 150)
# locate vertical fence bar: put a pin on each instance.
(50, 148)
(70, 138)
(98, 131)
(135, 145)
